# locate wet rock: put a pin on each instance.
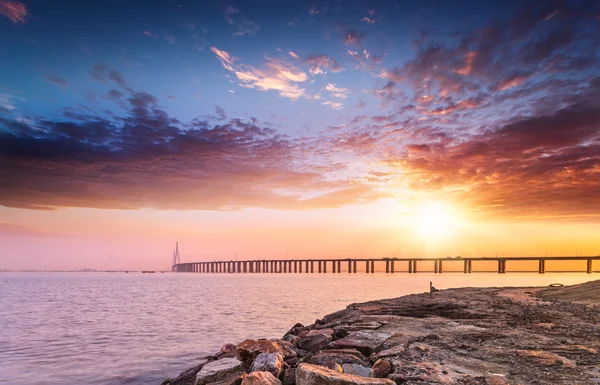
(357, 370)
(187, 377)
(260, 378)
(218, 370)
(289, 376)
(268, 362)
(381, 368)
(314, 340)
(228, 350)
(297, 328)
(232, 379)
(365, 341)
(248, 350)
(307, 374)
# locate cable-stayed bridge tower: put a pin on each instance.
(176, 260)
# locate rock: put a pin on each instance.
(268, 362)
(297, 328)
(546, 358)
(353, 352)
(357, 370)
(314, 340)
(292, 361)
(260, 378)
(288, 350)
(228, 350)
(326, 357)
(187, 377)
(218, 370)
(289, 376)
(291, 339)
(307, 374)
(365, 341)
(381, 368)
(232, 379)
(248, 350)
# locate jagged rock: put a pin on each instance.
(248, 350)
(357, 370)
(546, 358)
(313, 340)
(228, 350)
(288, 350)
(352, 352)
(268, 362)
(365, 341)
(381, 368)
(292, 361)
(293, 339)
(232, 379)
(218, 370)
(289, 376)
(307, 374)
(260, 378)
(326, 357)
(297, 328)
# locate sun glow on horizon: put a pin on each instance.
(436, 221)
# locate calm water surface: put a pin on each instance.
(117, 328)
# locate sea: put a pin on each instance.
(133, 328)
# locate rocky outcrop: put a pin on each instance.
(486, 336)
(219, 370)
(307, 374)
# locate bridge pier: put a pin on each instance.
(333, 267)
(589, 266)
(542, 266)
(324, 267)
(501, 266)
(354, 266)
(339, 266)
(412, 266)
(392, 268)
(387, 267)
(368, 267)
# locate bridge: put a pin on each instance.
(351, 265)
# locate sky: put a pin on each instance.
(270, 129)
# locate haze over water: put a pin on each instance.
(117, 328)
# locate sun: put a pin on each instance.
(435, 221)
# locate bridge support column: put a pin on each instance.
(470, 263)
(285, 267)
(319, 266)
(339, 266)
(349, 266)
(440, 266)
(392, 269)
(372, 267)
(324, 266)
(387, 267)
(354, 266)
(312, 267)
(368, 267)
(589, 266)
(542, 266)
(334, 266)
(501, 266)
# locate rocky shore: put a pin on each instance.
(478, 336)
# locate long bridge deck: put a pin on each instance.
(350, 265)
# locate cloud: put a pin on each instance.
(60, 81)
(294, 55)
(320, 64)
(334, 105)
(353, 37)
(275, 75)
(6, 103)
(105, 74)
(15, 11)
(149, 159)
(243, 25)
(336, 92)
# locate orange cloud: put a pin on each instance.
(276, 75)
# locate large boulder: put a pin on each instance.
(365, 341)
(228, 350)
(260, 378)
(288, 350)
(315, 340)
(307, 374)
(218, 370)
(248, 350)
(289, 376)
(268, 362)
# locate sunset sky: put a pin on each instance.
(306, 129)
